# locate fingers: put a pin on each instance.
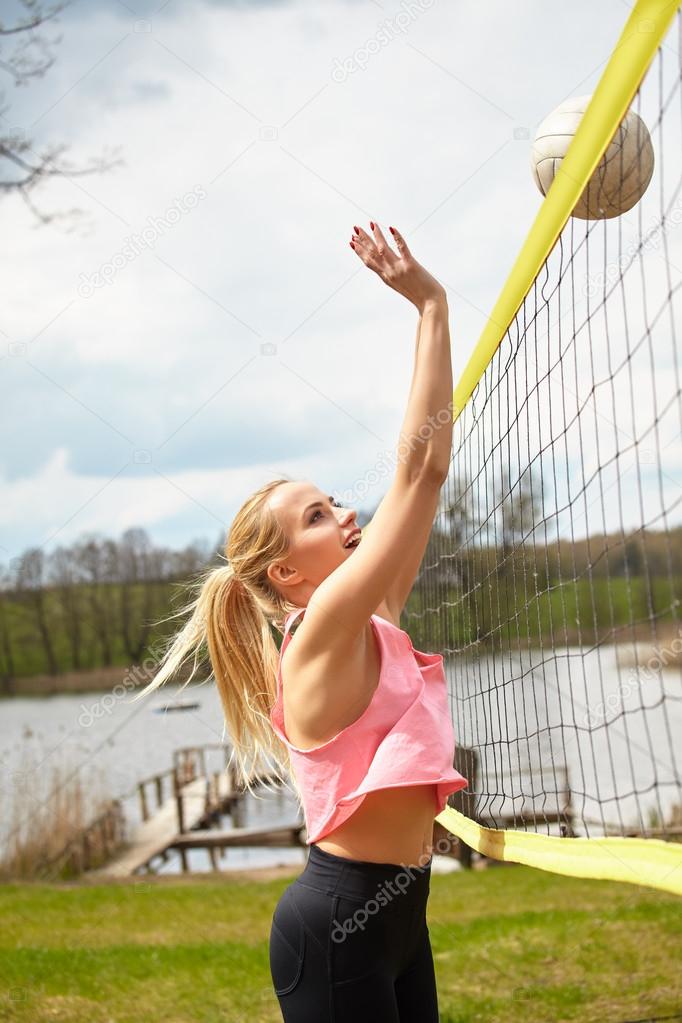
(383, 254)
(362, 243)
(374, 250)
(382, 245)
(376, 242)
(368, 260)
(400, 242)
(363, 236)
(365, 249)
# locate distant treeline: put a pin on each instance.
(598, 588)
(94, 605)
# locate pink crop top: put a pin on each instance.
(404, 737)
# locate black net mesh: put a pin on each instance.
(553, 574)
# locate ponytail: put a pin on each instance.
(230, 620)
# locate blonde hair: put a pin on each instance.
(230, 618)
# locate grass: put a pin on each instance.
(507, 611)
(510, 944)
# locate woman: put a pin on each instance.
(358, 718)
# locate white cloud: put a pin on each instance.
(428, 126)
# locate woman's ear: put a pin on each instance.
(280, 574)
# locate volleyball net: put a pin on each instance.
(553, 575)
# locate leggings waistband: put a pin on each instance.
(359, 879)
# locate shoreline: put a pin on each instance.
(83, 682)
(632, 652)
(283, 871)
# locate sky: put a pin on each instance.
(203, 326)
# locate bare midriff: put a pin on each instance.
(390, 826)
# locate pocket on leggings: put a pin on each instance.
(287, 948)
(360, 939)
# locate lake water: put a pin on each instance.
(116, 743)
(616, 729)
(613, 728)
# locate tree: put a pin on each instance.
(136, 590)
(520, 508)
(22, 169)
(32, 592)
(96, 561)
(64, 577)
(7, 665)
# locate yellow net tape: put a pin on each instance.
(644, 861)
(622, 76)
(647, 862)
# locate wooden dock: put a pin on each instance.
(285, 836)
(156, 835)
(183, 819)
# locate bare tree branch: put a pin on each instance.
(16, 151)
(22, 65)
(35, 20)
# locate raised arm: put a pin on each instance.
(425, 441)
(384, 564)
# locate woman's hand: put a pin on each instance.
(401, 272)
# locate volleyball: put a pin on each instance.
(621, 177)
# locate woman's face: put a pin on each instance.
(317, 529)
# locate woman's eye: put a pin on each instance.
(334, 503)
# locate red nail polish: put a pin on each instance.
(356, 229)
(391, 230)
(371, 225)
(352, 246)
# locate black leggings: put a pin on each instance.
(349, 942)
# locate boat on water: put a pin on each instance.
(177, 705)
